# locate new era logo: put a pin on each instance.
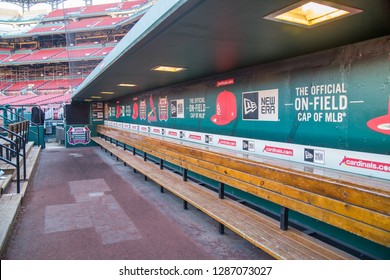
(309, 155)
(260, 105)
(316, 156)
(249, 106)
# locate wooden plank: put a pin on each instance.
(357, 213)
(269, 238)
(359, 220)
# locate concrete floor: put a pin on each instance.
(83, 204)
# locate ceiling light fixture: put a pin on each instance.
(96, 97)
(311, 13)
(172, 69)
(107, 92)
(126, 85)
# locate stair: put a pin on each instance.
(10, 200)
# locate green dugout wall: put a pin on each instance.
(328, 109)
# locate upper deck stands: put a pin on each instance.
(3, 56)
(103, 51)
(43, 54)
(46, 28)
(34, 100)
(103, 9)
(86, 51)
(61, 13)
(72, 54)
(109, 22)
(16, 56)
(55, 99)
(130, 4)
(18, 86)
(83, 24)
(4, 85)
(97, 9)
(15, 99)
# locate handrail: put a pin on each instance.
(24, 119)
(17, 164)
(18, 145)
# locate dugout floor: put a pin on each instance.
(83, 204)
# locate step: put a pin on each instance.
(9, 207)
(5, 181)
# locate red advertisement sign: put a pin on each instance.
(366, 164)
(195, 137)
(279, 151)
(225, 82)
(227, 142)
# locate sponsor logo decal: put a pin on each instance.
(261, 105)
(283, 151)
(172, 133)
(225, 82)
(195, 137)
(152, 114)
(177, 108)
(227, 142)
(316, 156)
(248, 145)
(142, 109)
(163, 108)
(366, 164)
(79, 135)
(208, 139)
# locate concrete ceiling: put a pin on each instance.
(211, 37)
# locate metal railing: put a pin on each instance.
(22, 118)
(13, 147)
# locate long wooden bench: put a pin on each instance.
(361, 208)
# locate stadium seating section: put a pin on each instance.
(35, 68)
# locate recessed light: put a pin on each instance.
(88, 100)
(172, 69)
(312, 13)
(126, 85)
(96, 97)
(107, 92)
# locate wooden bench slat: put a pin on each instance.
(358, 211)
(372, 230)
(278, 243)
(375, 219)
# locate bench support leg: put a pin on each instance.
(185, 175)
(185, 205)
(124, 146)
(134, 170)
(116, 143)
(146, 178)
(221, 228)
(283, 218)
(133, 151)
(145, 156)
(161, 189)
(161, 164)
(117, 158)
(221, 191)
(124, 163)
